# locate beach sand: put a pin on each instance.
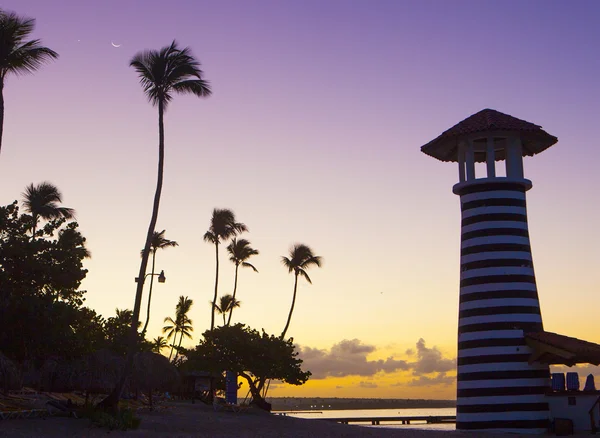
(198, 420)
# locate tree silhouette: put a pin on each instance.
(226, 305)
(301, 258)
(18, 55)
(42, 201)
(162, 74)
(239, 251)
(182, 324)
(222, 227)
(158, 242)
(158, 344)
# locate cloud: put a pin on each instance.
(346, 358)
(338, 387)
(430, 360)
(369, 385)
(439, 379)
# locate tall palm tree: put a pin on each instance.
(158, 344)
(163, 73)
(18, 55)
(171, 331)
(226, 304)
(222, 227)
(239, 251)
(42, 201)
(301, 258)
(184, 322)
(158, 242)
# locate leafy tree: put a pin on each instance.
(158, 242)
(42, 201)
(117, 331)
(18, 54)
(163, 73)
(222, 227)
(239, 251)
(49, 266)
(40, 300)
(255, 356)
(301, 258)
(226, 305)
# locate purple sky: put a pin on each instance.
(313, 135)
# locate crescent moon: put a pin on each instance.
(115, 45)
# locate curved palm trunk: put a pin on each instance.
(179, 346)
(149, 294)
(34, 228)
(237, 265)
(287, 324)
(173, 345)
(212, 316)
(112, 400)
(1, 112)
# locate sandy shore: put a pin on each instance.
(198, 420)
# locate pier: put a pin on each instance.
(401, 420)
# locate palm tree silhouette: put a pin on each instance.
(239, 251)
(185, 323)
(17, 54)
(226, 305)
(158, 344)
(162, 74)
(171, 331)
(42, 201)
(158, 242)
(222, 227)
(182, 324)
(301, 258)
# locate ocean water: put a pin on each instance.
(367, 413)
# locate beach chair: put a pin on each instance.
(589, 383)
(221, 405)
(572, 382)
(558, 381)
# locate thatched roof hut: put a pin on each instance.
(99, 371)
(10, 378)
(153, 371)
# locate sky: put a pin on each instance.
(312, 135)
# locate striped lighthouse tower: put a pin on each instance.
(497, 387)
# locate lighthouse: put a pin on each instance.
(498, 386)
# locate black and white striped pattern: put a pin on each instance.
(496, 386)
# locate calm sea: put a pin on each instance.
(387, 413)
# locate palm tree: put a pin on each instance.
(171, 331)
(239, 251)
(185, 323)
(226, 305)
(158, 344)
(181, 324)
(17, 54)
(222, 227)
(301, 258)
(163, 73)
(158, 242)
(42, 201)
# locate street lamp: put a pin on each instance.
(161, 277)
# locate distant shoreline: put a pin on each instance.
(336, 403)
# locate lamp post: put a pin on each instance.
(161, 277)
